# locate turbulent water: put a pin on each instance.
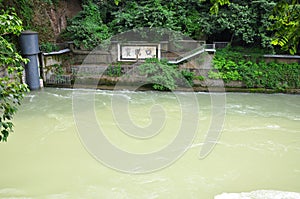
(257, 154)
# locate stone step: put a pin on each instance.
(88, 69)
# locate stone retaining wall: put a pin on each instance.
(92, 63)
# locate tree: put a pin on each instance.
(87, 29)
(286, 25)
(246, 23)
(281, 18)
(140, 14)
(239, 22)
(177, 15)
(214, 9)
(11, 87)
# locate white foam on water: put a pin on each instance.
(15, 198)
(58, 196)
(60, 96)
(260, 194)
(12, 193)
(196, 145)
(31, 97)
(274, 126)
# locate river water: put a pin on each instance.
(258, 148)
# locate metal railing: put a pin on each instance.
(59, 80)
(193, 53)
(220, 44)
(210, 47)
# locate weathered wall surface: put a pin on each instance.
(50, 20)
(288, 59)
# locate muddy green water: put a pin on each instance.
(259, 149)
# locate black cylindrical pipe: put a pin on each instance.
(32, 72)
(30, 49)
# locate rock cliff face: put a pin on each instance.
(51, 19)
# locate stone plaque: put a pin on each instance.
(138, 52)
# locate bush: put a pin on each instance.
(160, 74)
(253, 71)
(48, 47)
(189, 76)
(164, 76)
(114, 70)
(87, 29)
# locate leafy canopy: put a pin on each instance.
(241, 22)
(286, 25)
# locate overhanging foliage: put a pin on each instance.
(11, 87)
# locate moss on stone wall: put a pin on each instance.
(47, 17)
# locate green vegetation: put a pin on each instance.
(260, 23)
(199, 77)
(189, 76)
(114, 70)
(232, 65)
(164, 76)
(286, 25)
(263, 23)
(23, 8)
(160, 74)
(139, 14)
(35, 16)
(240, 22)
(58, 71)
(48, 47)
(11, 87)
(55, 2)
(87, 29)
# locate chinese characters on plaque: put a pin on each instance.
(138, 52)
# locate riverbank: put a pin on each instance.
(112, 83)
(227, 70)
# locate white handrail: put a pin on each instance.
(191, 54)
